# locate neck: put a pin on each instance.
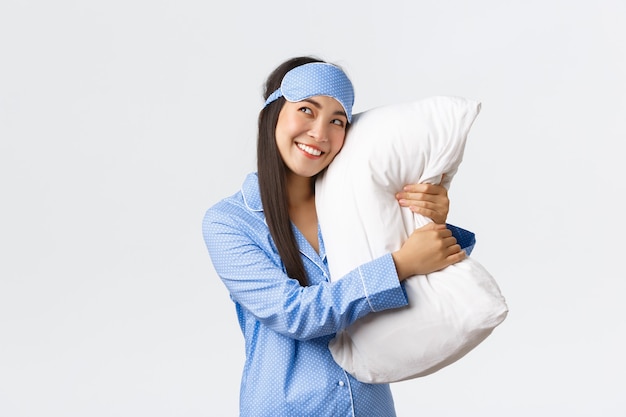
(300, 190)
(302, 212)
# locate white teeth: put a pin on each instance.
(309, 150)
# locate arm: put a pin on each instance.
(244, 258)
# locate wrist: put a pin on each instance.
(400, 264)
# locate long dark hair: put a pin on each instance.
(272, 175)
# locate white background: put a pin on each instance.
(122, 121)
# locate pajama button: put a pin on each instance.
(341, 383)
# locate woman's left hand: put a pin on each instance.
(429, 200)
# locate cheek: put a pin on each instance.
(289, 122)
(338, 142)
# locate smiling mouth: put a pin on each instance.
(308, 149)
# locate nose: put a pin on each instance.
(319, 131)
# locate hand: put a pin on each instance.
(429, 248)
(429, 200)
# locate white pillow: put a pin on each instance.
(450, 311)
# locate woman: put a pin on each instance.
(266, 246)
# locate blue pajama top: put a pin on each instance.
(289, 370)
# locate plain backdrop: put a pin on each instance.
(121, 122)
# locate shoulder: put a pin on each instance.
(237, 223)
(238, 210)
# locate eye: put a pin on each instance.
(338, 122)
(306, 110)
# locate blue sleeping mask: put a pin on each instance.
(316, 79)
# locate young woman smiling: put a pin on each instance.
(266, 246)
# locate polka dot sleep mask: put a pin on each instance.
(316, 79)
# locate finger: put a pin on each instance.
(434, 189)
(450, 241)
(423, 211)
(430, 214)
(438, 216)
(409, 199)
(444, 233)
(426, 191)
(415, 188)
(420, 204)
(456, 257)
(429, 209)
(424, 188)
(451, 250)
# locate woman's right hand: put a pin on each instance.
(429, 248)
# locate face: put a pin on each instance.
(310, 133)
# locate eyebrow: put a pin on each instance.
(319, 106)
